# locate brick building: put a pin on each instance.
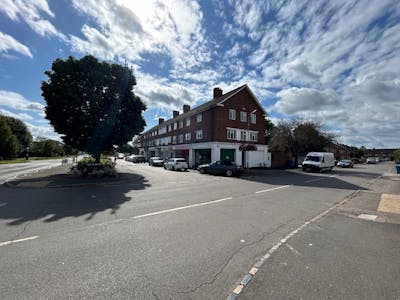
(231, 126)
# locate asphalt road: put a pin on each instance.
(9, 171)
(170, 235)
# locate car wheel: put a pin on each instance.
(185, 170)
(165, 167)
(173, 168)
(201, 171)
(228, 173)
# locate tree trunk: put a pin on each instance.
(97, 157)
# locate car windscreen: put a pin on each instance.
(313, 158)
(181, 160)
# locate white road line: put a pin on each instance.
(3, 204)
(312, 180)
(18, 241)
(276, 188)
(180, 208)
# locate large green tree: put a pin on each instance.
(92, 104)
(8, 141)
(21, 132)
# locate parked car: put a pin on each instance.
(156, 161)
(227, 168)
(120, 156)
(345, 163)
(371, 160)
(135, 158)
(176, 164)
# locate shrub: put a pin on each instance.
(396, 155)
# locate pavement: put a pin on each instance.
(350, 251)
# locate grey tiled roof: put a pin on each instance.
(203, 107)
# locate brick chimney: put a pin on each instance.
(160, 120)
(186, 108)
(175, 113)
(217, 92)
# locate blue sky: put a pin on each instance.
(335, 62)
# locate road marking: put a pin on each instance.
(368, 217)
(180, 208)
(18, 241)
(312, 180)
(276, 188)
(3, 204)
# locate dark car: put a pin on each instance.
(345, 163)
(227, 168)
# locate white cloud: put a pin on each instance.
(31, 11)
(295, 100)
(8, 43)
(20, 116)
(17, 101)
(130, 29)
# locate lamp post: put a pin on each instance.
(27, 153)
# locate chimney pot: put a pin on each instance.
(186, 108)
(175, 113)
(217, 92)
(160, 120)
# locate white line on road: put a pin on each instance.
(181, 208)
(3, 204)
(276, 188)
(312, 180)
(18, 241)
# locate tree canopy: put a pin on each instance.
(20, 131)
(299, 137)
(92, 104)
(8, 141)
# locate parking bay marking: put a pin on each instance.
(275, 188)
(18, 241)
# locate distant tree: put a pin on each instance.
(269, 126)
(21, 132)
(126, 149)
(281, 138)
(92, 104)
(8, 141)
(308, 136)
(359, 153)
(299, 137)
(44, 147)
(396, 156)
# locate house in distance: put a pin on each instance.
(231, 127)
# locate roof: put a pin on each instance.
(206, 106)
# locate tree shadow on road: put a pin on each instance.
(79, 198)
(297, 178)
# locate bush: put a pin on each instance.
(396, 155)
(89, 167)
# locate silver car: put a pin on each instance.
(176, 164)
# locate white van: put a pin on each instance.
(319, 161)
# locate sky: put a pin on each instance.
(333, 62)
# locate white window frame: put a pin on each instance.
(253, 119)
(180, 139)
(174, 139)
(243, 135)
(199, 118)
(199, 134)
(175, 125)
(181, 124)
(231, 134)
(243, 116)
(232, 114)
(187, 122)
(253, 136)
(188, 136)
